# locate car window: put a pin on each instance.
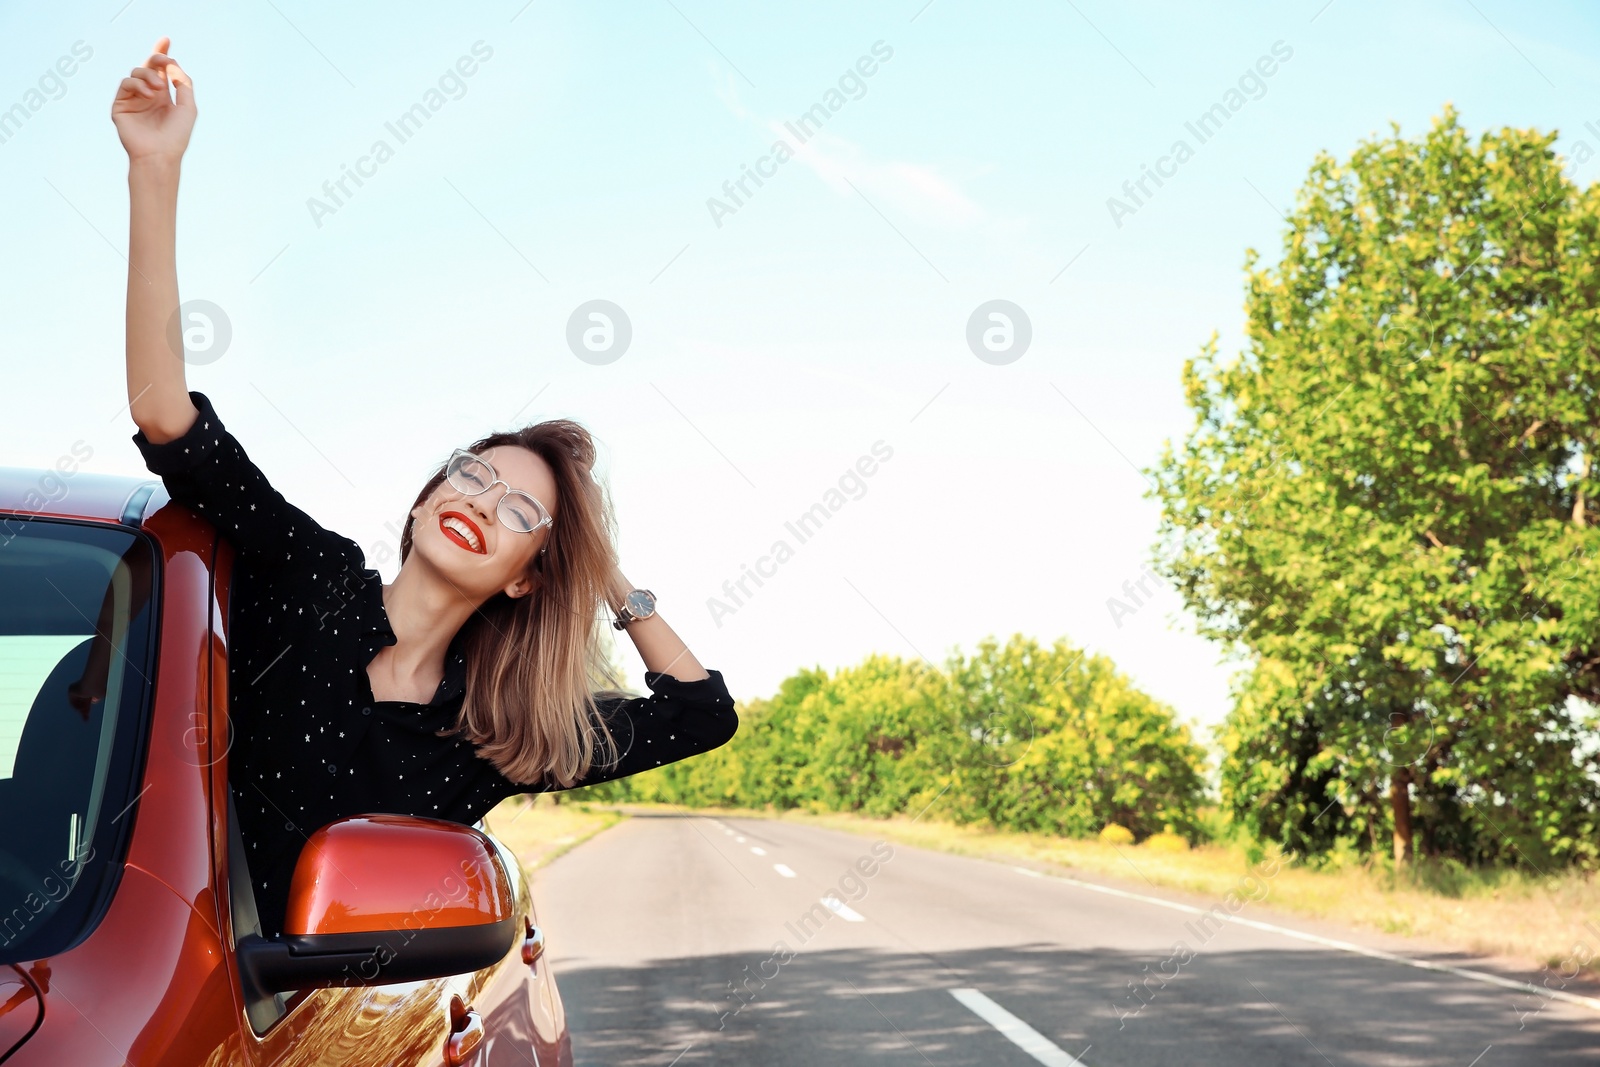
(76, 659)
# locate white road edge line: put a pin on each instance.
(1015, 1030)
(783, 869)
(843, 910)
(1343, 946)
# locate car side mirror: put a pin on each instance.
(387, 898)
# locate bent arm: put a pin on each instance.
(676, 721)
(158, 394)
(659, 645)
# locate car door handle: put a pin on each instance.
(466, 1033)
(532, 943)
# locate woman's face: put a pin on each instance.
(486, 557)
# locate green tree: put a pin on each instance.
(1384, 506)
(1017, 737)
(1054, 740)
(873, 722)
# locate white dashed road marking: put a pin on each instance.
(758, 850)
(1015, 1030)
(783, 870)
(843, 910)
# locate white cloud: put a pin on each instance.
(727, 91)
(912, 189)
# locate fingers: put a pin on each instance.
(137, 87)
(145, 84)
(169, 69)
(175, 73)
(161, 70)
(182, 84)
(159, 74)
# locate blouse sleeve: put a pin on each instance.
(677, 720)
(207, 469)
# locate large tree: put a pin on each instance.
(1385, 506)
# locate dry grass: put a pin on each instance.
(1538, 921)
(538, 829)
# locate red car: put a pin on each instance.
(127, 917)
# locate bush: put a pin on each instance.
(1021, 737)
(1166, 841)
(1116, 835)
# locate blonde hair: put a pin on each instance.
(533, 662)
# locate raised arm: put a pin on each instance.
(659, 645)
(180, 436)
(155, 132)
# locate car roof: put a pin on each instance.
(80, 494)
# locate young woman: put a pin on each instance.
(468, 678)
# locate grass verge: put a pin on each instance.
(537, 829)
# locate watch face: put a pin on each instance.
(641, 604)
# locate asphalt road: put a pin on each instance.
(681, 940)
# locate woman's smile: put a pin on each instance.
(463, 531)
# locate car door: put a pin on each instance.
(519, 1003)
(508, 1015)
(404, 1024)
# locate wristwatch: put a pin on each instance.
(638, 604)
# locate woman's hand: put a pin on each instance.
(83, 693)
(150, 124)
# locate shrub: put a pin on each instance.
(1116, 835)
(1166, 841)
(1021, 737)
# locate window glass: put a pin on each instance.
(76, 662)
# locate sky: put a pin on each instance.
(820, 336)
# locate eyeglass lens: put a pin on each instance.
(517, 510)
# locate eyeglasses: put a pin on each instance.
(518, 511)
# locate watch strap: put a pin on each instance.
(625, 616)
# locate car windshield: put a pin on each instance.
(75, 665)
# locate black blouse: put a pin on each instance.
(309, 742)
